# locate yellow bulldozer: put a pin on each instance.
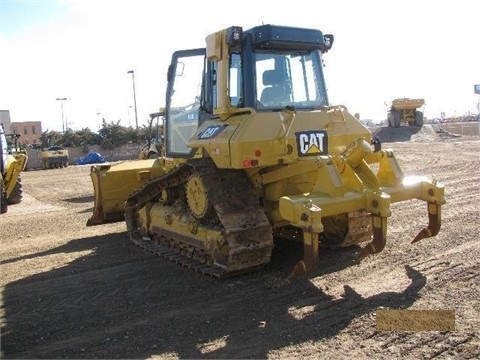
(10, 168)
(254, 151)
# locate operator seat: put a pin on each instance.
(277, 90)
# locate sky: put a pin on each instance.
(82, 50)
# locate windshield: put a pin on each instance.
(289, 79)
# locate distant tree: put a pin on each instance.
(89, 137)
(10, 141)
(81, 138)
(113, 135)
(50, 138)
(110, 136)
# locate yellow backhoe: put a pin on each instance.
(10, 168)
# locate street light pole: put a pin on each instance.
(98, 119)
(129, 107)
(61, 106)
(134, 97)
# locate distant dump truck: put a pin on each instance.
(54, 157)
(405, 110)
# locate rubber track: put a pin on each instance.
(246, 227)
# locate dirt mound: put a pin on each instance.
(409, 133)
(444, 134)
(426, 133)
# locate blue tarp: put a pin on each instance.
(91, 158)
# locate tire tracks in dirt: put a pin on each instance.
(89, 293)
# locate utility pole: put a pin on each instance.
(61, 106)
(134, 97)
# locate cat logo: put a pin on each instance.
(310, 143)
(211, 132)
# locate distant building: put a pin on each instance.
(5, 120)
(30, 131)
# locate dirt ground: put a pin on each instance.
(71, 291)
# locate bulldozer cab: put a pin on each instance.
(232, 77)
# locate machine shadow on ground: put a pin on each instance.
(120, 302)
(81, 199)
(391, 134)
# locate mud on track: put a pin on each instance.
(72, 291)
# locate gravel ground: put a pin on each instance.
(71, 291)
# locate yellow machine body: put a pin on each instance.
(54, 157)
(112, 185)
(10, 168)
(406, 110)
(253, 151)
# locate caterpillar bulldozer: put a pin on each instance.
(253, 152)
(10, 168)
(405, 110)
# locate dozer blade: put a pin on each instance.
(113, 184)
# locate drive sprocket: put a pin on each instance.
(197, 198)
